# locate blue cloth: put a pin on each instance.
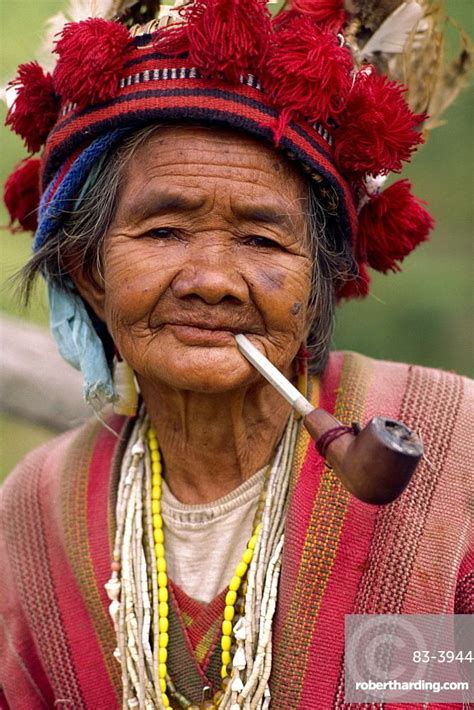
(80, 345)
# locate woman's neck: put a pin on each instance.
(211, 443)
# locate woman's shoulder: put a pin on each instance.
(429, 398)
(436, 404)
(67, 455)
(389, 375)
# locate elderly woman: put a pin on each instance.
(198, 553)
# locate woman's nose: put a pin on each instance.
(211, 276)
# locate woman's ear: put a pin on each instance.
(90, 284)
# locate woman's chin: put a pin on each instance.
(203, 369)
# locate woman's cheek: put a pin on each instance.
(283, 301)
(134, 283)
(282, 296)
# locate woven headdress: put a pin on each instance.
(321, 80)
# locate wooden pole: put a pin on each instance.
(35, 382)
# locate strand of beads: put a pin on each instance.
(252, 660)
(149, 548)
(158, 537)
(132, 569)
(231, 598)
(233, 604)
(255, 693)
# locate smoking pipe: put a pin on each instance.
(375, 463)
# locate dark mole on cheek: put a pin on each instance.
(295, 308)
(276, 166)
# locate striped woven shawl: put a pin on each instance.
(341, 556)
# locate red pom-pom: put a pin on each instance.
(357, 287)
(331, 13)
(391, 225)
(227, 37)
(307, 72)
(92, 55)
(21, 195)
(172, 40)
(377, 130)
(35, 109)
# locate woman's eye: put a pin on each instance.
(263, 242)
(162, 233)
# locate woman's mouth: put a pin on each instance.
(201, 334)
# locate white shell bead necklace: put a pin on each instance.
(138, 592)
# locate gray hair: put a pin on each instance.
(80, 238)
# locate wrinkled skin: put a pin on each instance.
(208, 240)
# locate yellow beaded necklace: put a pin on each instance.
(235, 584)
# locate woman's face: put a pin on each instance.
(208, 240)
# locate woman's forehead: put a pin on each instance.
(187, 152)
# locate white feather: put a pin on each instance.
(53, 28)
(393, 32)
(8, 95)
(82, 9)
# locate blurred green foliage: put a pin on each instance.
(422, 315)
(17, 438)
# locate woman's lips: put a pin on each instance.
(200, 335)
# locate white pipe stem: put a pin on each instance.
(299, 403)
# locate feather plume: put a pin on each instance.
(405, 40)
(392, 34)
(433, 82)
(8, 95)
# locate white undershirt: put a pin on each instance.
(204, 543)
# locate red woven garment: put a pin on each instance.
(340, 556)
